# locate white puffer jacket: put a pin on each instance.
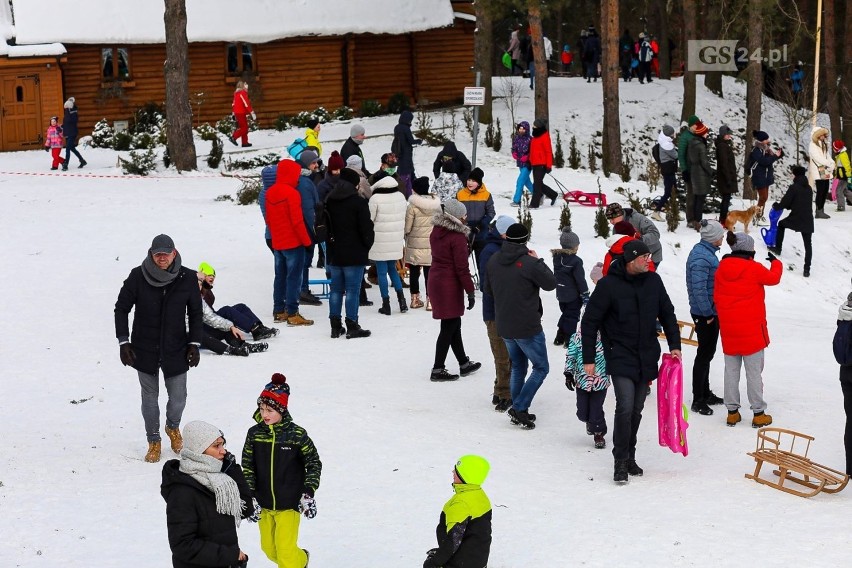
(387, 210)
(819, 155)
(418, 228)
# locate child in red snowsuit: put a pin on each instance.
(241, 108)
(53, 142)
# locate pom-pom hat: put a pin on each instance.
(276, 393)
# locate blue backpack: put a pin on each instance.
(843, 342)
(297, 147)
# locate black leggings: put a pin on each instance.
(822, 186)
(414, 278)
(450, 336)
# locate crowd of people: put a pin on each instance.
(439, 228)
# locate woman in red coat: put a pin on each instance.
(241, 108)
(449, 280)
(739, 297)
(541, 160)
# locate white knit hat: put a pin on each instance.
(198, 436)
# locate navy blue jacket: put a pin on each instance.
(763, 174)
(267, 176)
(570, 276)
(402, 133)
(493, 242)
(310, 197)
(69, 123)
(701, 268)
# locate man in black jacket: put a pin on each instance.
(352, 146)
(624, 307)
(801, 217)
(514, 278)
(451, 154)
(164, 294)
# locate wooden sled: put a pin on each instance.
(585, 198)
(777, 447)
(685, 339)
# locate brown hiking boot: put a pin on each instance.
(153, 455)
(297, 319)
(279, 317)
(734, 418)
(760, 420)
(175, 438)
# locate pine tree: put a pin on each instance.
(497, 142)
(524, 215)
(673, 212)
(573, 154)
(559, 157)
(565, 217)
(593, 159)
(601, 222)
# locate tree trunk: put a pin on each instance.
(846, 77)
(754, 88)
(176, 72)
(663, 26)
(611, 144)
(534, 14)
(712, 19)
(483, 47)
(829, 44)
(689, 33)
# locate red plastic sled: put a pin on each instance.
(585, 198)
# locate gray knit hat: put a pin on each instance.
(711, 231)
(308, 157)
(455, 208)
(744, 243)
(356, 130)
(198, 436)
(355, 162)
(668, 130)
(569, 240)
(503, 223)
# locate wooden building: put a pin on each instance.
(293, 62)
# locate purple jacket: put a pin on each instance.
(521, 146)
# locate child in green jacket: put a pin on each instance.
(464, 531)
(282, 468)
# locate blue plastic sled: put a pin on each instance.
(770, 233)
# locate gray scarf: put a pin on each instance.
(156, 276)
(207, 471)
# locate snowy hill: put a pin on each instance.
(74, 490)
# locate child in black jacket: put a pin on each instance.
(572, 291)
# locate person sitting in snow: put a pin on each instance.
(464, 530)
(240, 314)
(646, 228)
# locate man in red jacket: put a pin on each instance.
(541, 160)
(289, 239)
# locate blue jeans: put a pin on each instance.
(531, 69)
(344, 279)
(387, 267)
(309, 258)
(288, 279)
(523, 181)
(522, 352)
(240, 315)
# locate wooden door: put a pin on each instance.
(20, 108)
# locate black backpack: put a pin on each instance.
(395, 147)
(322, 223)
(842, 343)
(655, 152)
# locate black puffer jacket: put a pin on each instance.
(352, 148)
(625, 308)
(406, 142)
(350, 229)
(159, 337)
(198, 534)
(798, 200)
(451, 154)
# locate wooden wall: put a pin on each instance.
(293, 75)
(29, 127)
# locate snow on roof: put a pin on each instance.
(255, 21)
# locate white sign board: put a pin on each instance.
(474, 96)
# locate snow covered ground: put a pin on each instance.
(74, 490)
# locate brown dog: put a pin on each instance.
(744, 217)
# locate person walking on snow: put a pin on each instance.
(53, 143)
(70, 132)
(521, 153)
(541, 160)
(801, 218)
(701, 268)
(739, 295)
(842, 175)
(668, 169)
(241, 107)
(572, 291)
(403, 147)
(726, 170)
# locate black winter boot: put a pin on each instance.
(469, 367)
(403, 305)
(337, 328)
(385, 309)
(259, 347)
(560, 337)
(620, 474)
(634, 469)
(241, 351)
(260, 331)
(353, 330)
(440, 374)
(362, 298)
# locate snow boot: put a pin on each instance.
(589, 429)
(153, 454)
(469, 367)
(279, 317)
(385, 309)
(821, 214)
(806, 273)
(175, 439)
(560, 337)
(440, 374)
(241, 351)
(260, 331)
(734, 418)
(714, 400)
(416, 302)
(307, 298)
(337, 328)
(353, 330)
(258, 347)
(503, 405)
(362, 298)
(403, 305)
(82, 163)
(600, 441)
(521, 418)
(620, 473)
(657, 216)
(701, 408)
(760, 420)
(296, 319)
(634, 469)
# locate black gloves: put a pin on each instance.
(46, 149)
(471, 301)
(429, 554)
(585, 297)
(548, 170)
(192, 355)
(569, 381)
(128, 357)
(770, 257)
(228, 461)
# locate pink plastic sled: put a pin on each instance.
(671, 412)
